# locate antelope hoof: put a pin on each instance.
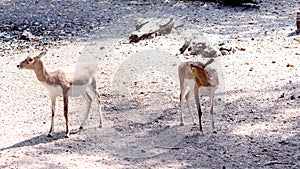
(67, 135)
(181, 124)
(50, 135)
(80, 128)
(100, 126)
(214, 132)
(194, 121)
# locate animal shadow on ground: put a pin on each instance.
(41, 139)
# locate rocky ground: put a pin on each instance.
(256, 105)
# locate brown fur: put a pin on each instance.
(200, 74)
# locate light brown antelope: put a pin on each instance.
(197, 75)
(65, 83)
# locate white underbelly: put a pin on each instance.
(75, 90)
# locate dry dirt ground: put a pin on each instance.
(257, 119)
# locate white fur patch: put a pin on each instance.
(75, 90)
(54, 90)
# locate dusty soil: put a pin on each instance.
(256, 105)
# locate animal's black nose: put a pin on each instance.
(18, 66)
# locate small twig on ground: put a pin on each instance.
(275, 162)
(172, 148)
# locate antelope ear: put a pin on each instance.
(208, 62)
(195, 64)
(41, 54)
(31, 50)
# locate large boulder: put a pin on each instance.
(200, 45)
(148, 28)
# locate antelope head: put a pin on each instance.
(31, 61)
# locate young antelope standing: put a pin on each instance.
(197, 75)
(65, 84)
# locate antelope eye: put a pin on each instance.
(30, 59)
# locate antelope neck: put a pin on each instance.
(42, 74)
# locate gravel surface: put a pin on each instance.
(256, 106)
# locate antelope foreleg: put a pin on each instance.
(196, 94)
(211, 101)
(53, 100)
(87, 111)
(65, 98)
